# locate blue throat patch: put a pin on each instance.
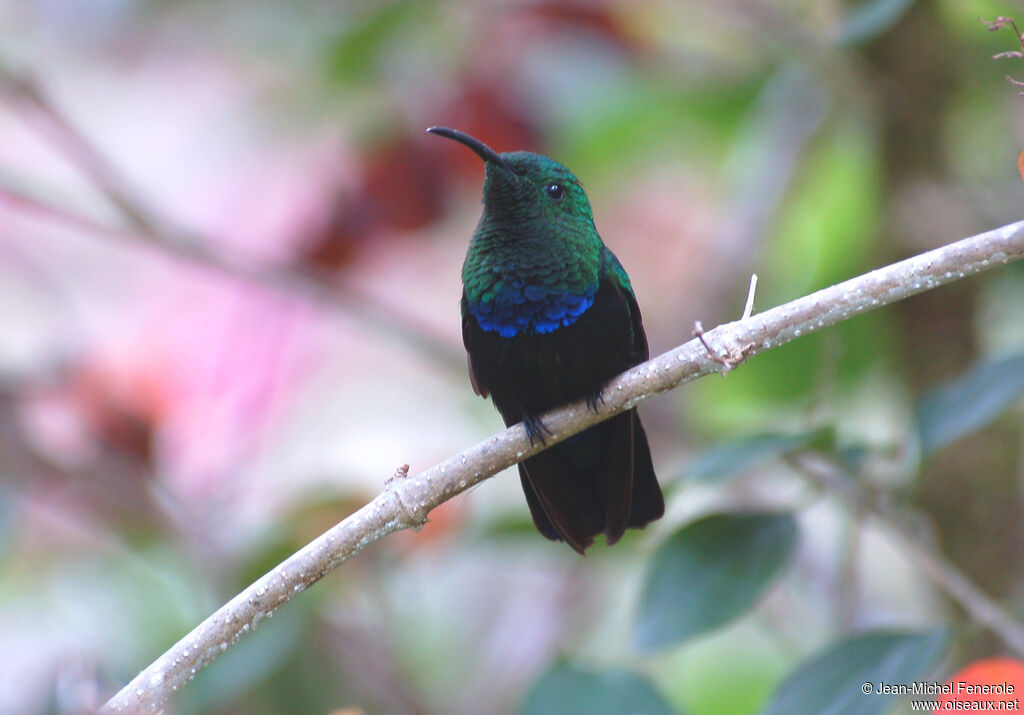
(530, 309)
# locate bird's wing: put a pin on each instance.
(467, 317)
(616, 274)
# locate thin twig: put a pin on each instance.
(149, 229)
(83, 154)
(317, 287)
(998, 24)
(975, 602)
(732, 359)
(748, 309)
(406, 502)
(729, 361)
(848, 586)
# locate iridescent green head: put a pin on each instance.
(521, 186)
(536, 231)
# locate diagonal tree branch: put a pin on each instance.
(29, 96)
(981, 607)
(406, 501)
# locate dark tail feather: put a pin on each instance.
(599, 481)
(619, 474)
(566, 522)
(648, 502)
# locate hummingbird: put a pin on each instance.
(548, 317)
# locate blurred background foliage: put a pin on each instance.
(169, 430)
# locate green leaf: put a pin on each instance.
(832, 682)
(569, 690)
(824, 231)
(710, 572)
(970, 402)
(734, 457)
(826, 227)
(870, 19)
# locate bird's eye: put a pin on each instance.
(555, 191)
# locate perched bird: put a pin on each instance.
(548, 317)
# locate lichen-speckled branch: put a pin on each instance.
(407, 500)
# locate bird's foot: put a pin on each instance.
(594, 398)
(535, 428)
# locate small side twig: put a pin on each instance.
(1001, 22)
(733, 357)
(26, 92)
(997, 24)
(748, 309)
(415, 517)
(727, 362)
(146, 227)
(401, 473)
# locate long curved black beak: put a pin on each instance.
(481, 149)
